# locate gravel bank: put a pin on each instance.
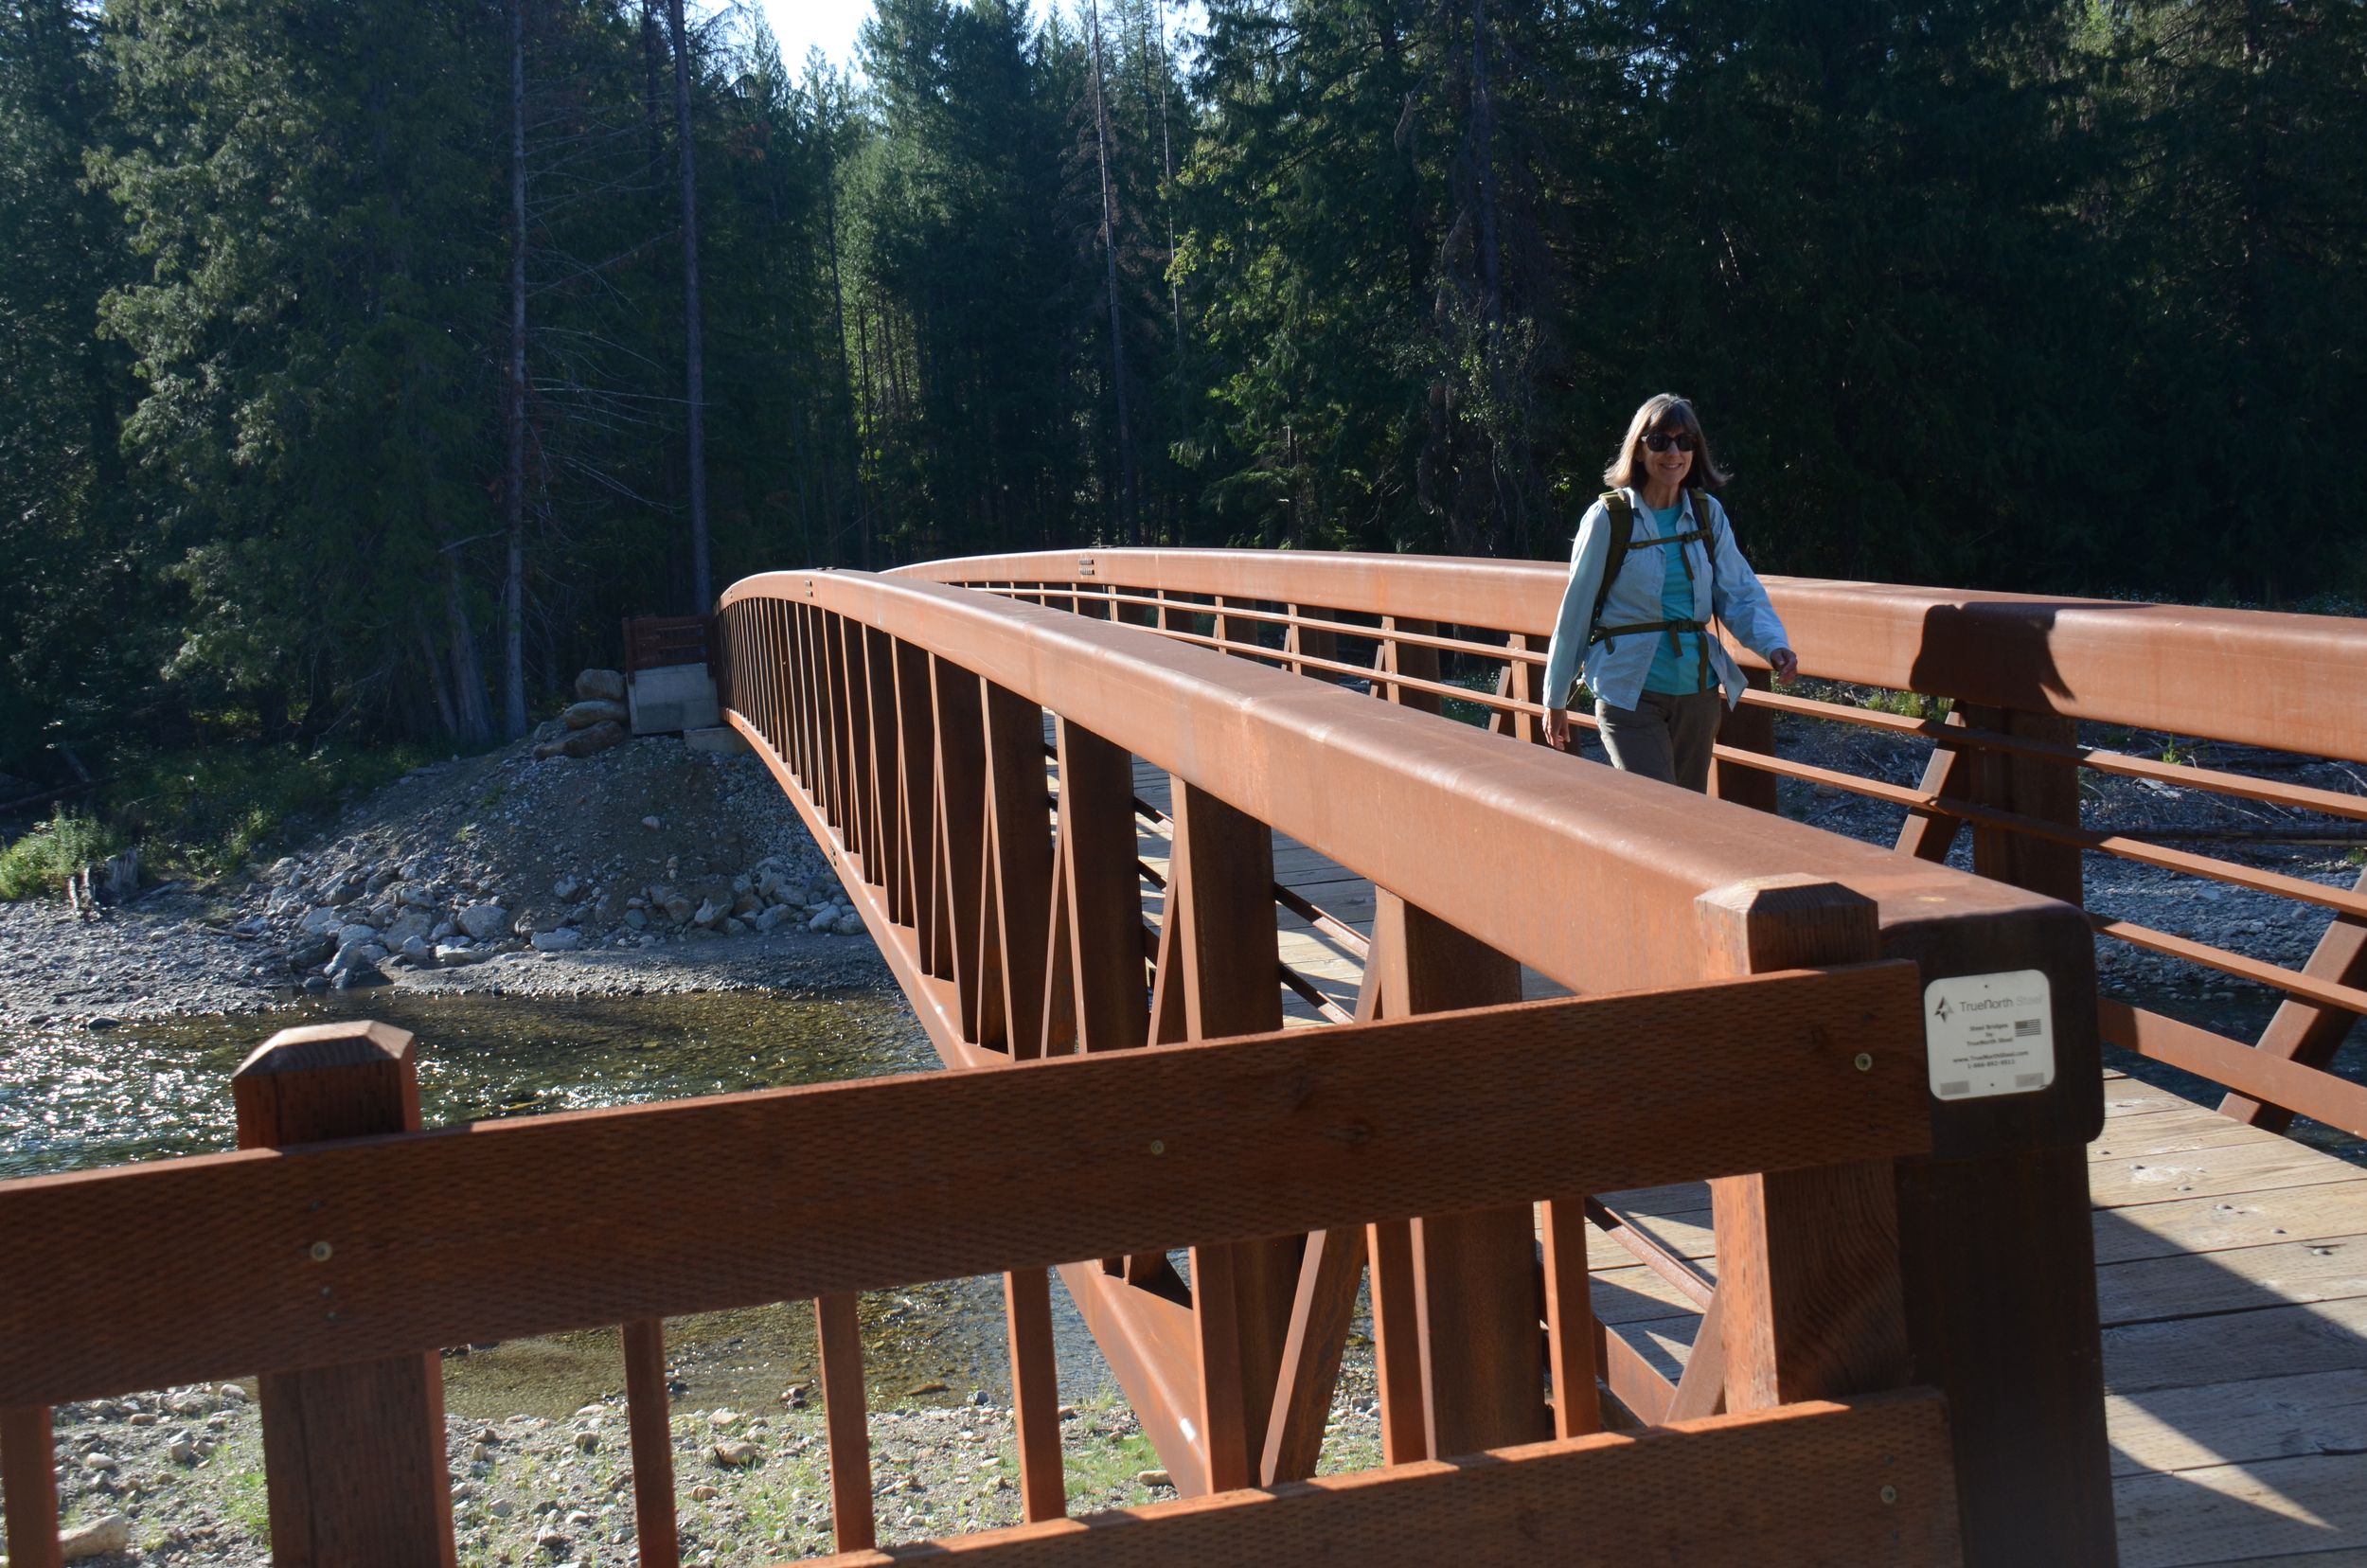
(183, 1473)
(645, 869)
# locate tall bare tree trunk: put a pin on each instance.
(514, 577)
(701, 583)
(1110, 258)
(468, 674)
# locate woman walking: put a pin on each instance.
(1655, 561)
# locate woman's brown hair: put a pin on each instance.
(1664, 412)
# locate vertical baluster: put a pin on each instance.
(917, 800)
(1322, 1310)
(886, 865)
(1100, 889)
(1570, 1320)
(28, 1486)
(854, 723)
(1518, 682)
(1397, 1341)
(1035, 1393)
(961, 807)
(831, 718)
(773, 659)
(1020, 872)
(1417, 660)
(1474, 1275)
(806, 689)
(1316, 640)
(846, 1423)
(1241, 1291)
(648, 1417)
(353, 1455)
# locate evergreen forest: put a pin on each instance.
(362, 363)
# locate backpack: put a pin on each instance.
(1620, 514)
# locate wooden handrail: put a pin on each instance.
(2041, 663)
(2108, 660)
(1147, 1150)
(904, 721)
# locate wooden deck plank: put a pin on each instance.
(2239, 1220)
(2196, 1428)
(2238, 1279)
(2273, 1341)
(2241, 1513)
(2215, 1173)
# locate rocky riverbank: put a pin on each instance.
(176, 1477)
(648, 867)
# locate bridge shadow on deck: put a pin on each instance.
(2231, 1274)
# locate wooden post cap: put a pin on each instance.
(326, 1080)
(1795, 921)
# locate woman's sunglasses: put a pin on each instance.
(1681, 442)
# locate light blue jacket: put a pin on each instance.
(1615, 671)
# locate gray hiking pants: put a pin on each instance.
(1664, 737)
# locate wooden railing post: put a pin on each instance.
(1998, 1256)
(1241, 1291)
(1807, 1260)
(29, 1487)
(1747, 727)
(2043, 787)
(1482, 1352)
(648, 1407)
(353, 1456)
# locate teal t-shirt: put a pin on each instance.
(1677, 659)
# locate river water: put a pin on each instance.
(72, 1099)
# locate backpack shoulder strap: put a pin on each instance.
(1701, 524)
(1620, 513)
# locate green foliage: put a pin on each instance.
(207, 811)
(1909, 704)
(43, 860)
(2042, 295)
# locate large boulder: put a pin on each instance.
(604, 685)
(484, 921)
(595, 711)
(584, 742)
(410, 924)
(564, 939)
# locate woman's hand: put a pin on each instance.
(1786, 662)
(1557, 729)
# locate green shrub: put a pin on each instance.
(43, 860)
(207, 811)
(1909, 704)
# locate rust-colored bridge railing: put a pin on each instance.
(1898, 1360)
(905, 720)
(2006, 764)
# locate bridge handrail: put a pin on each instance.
(333, 1267)
(905, 720)
(2022, 671)
(2179, 668)
(1501, 841)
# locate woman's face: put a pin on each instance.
(1669, 465)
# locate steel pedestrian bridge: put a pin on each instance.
(1688, 1231)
